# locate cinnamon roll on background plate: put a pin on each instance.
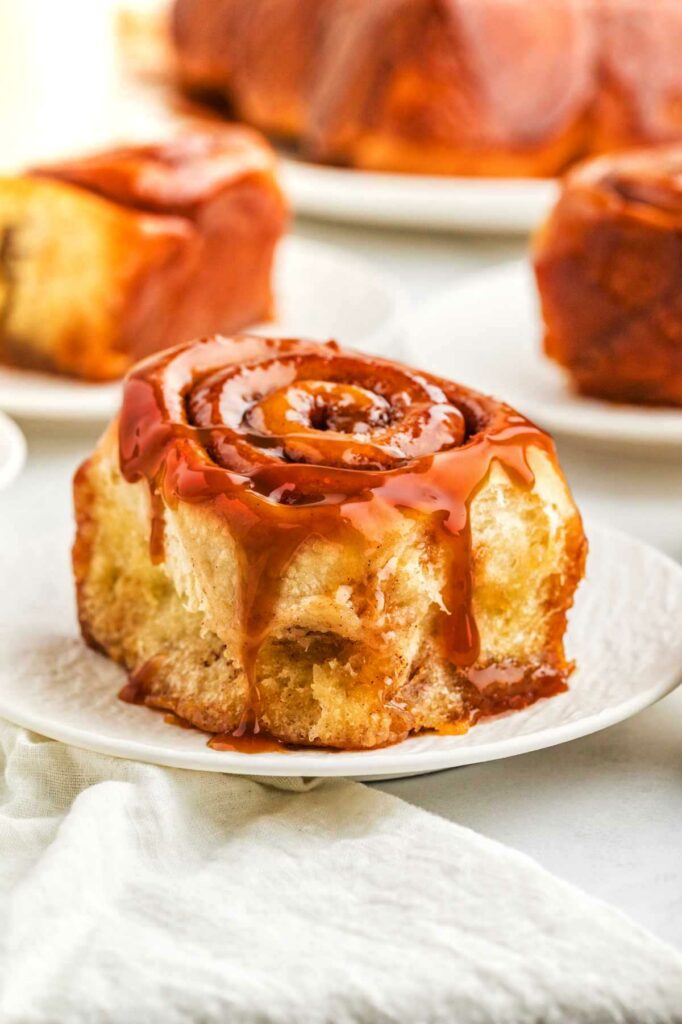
(414, 86)
(442, 87)
(608, 264)
(283, 539)
(108, 258)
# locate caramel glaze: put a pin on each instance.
(287, 439)
(248, 743)
(255, 742)
(207, 212)
(174, 177)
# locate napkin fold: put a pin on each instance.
(132, 894)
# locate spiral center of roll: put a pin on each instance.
(325, 409)
(320, 405)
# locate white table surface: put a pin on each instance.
(604, 812)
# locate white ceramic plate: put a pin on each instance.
(321, 293)
(12, 451)
(624, 633)
(485, 332)
(436, 203)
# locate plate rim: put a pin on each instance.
(393, 763)
(610, 429)
(33, 407)
(17, 451)
(508, 206)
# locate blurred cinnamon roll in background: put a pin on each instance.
(639, 75)
(108, 258)
(470, 87)
(608, 264)
(283, 538)
(415, 85)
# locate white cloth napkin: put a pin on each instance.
(133, 894)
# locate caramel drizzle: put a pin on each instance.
(273, 505)
(648, 186)
(171, 177)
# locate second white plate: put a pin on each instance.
(321, 293)
(12, 451)
(486, 332)
(624, 634)
(424, 202)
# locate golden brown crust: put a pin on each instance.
(109, 258)
(337, 549)
(608, 264)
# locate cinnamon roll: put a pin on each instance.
(608, 264)
(106, 259)
(281, 538)
(403, 85)
(474, 87)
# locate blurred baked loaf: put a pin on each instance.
(638, 99)
(472, 87)
(608, 264)
(108, 258)
(283, 538)
(415, 85)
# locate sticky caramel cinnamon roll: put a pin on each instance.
(280, 538)
(402, 85)
(609, 270)
(106, 259)
(474, 87)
